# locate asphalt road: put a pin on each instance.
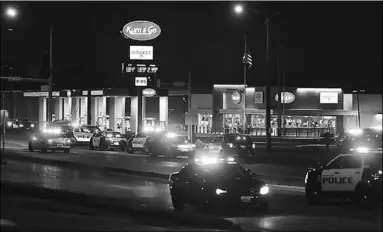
(273, 174)
(288, 207)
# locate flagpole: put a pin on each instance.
(244, 88)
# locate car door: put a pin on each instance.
(96, 139)
(342, 174)
(77, 133)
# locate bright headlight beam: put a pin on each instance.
(220, 191)
(264, 190)
(363, 149)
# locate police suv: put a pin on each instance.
(356, 176)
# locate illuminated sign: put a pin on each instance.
(41, 94)
(148, 92)
(141, 81)
(236, 97)
(141, 30)
(84, 92)
(96, 92)
(141, 52)
(68, 93)
(287, 97)
(258, 97)
(328, 98)
(140, 68)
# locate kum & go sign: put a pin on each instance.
(141, 30)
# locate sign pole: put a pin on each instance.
(139, 113)
(190, 126)
(244, 88)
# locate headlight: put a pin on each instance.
(206, 160)
(230, 145)
(68, 141)
(34, 138)
(9, 123)
(21, 125)
(32, 125)
(230, 159)
(50, 141)
(220, 191)
(361, 149)
(380, 172)
(264, 190)
(171, 135)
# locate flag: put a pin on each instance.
(247, 59)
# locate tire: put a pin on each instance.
(178, 204)
(30, 148)
(263, 208)
(313, 197)
(66, 150)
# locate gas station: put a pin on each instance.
(107, 108)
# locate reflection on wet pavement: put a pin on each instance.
(143, 192)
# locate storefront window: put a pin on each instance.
(205, 122)
(232, 122)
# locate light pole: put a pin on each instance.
(50, 102)
(239, 9)
(358, 91)
(10, 13)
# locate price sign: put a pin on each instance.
(140, 68)
(141, 81)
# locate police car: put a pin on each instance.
(52, 139)
(140, 141)
(108, 140)
(235, 145)
(171, 145)
(356, 176)
(82, 134)
(216, 183)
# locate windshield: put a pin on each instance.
(54, 135)
(220, 172)
(239, 139)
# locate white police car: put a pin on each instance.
(356, 176)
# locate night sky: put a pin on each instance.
(327, 44)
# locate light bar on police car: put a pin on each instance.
(206, 160)
(52, 131)
(186, 146)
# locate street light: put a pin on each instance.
(238, 9)
(11, 12)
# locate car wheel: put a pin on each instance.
(66, 151)
(30, 148)
(313, 197)
(263, 207)
(178, 204)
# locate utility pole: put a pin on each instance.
(281, 99)
(140, 109)
(268, 116)
(244, 87)
(50, 101)
(190, 117)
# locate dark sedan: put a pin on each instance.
(218, 184)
